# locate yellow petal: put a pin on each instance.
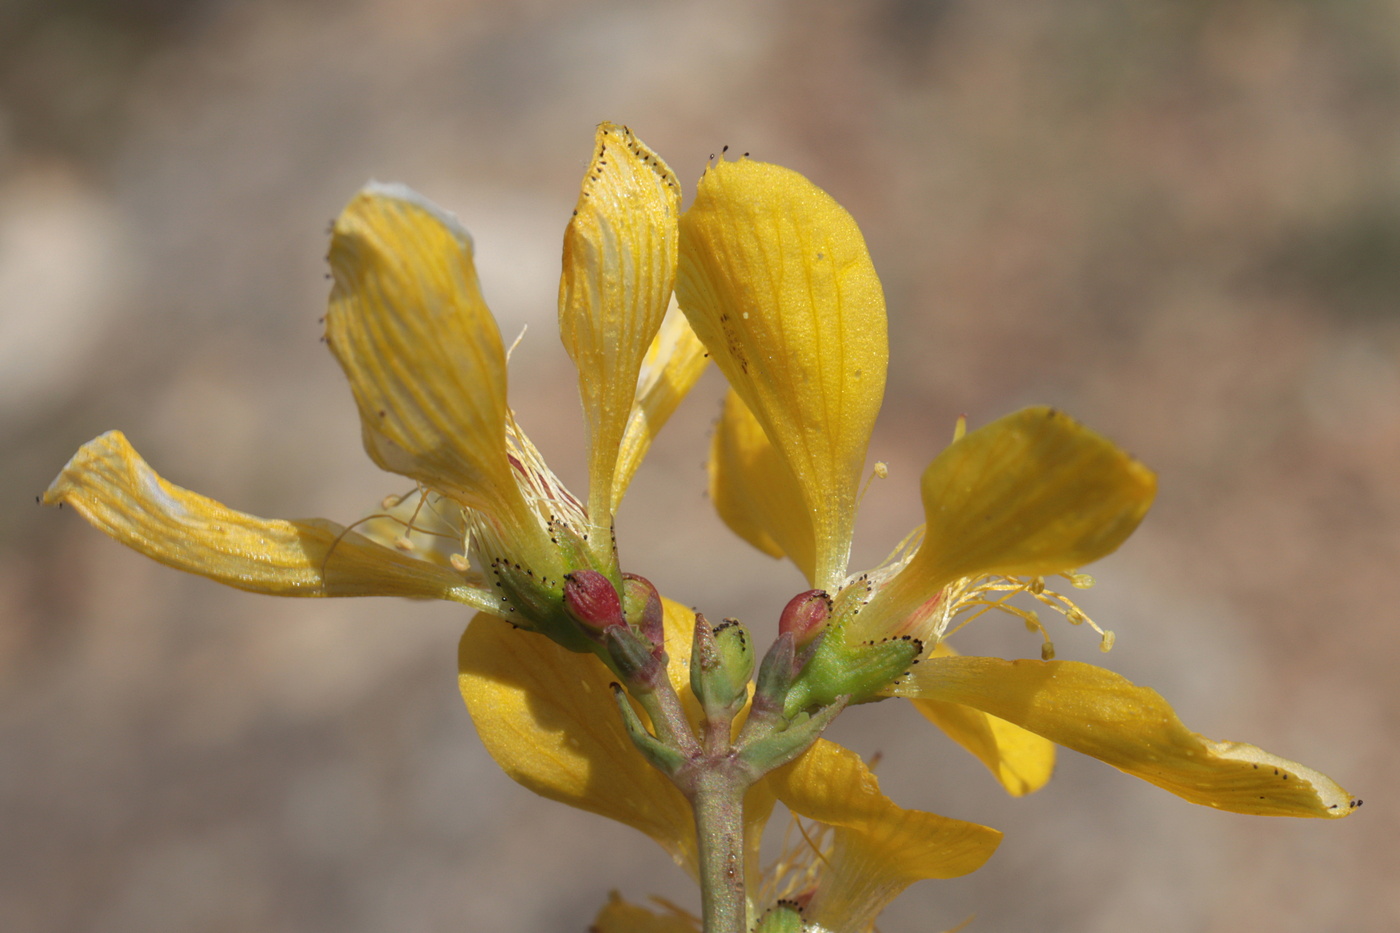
(879, 848)
(109, 484)
(421, 350)
(776, 280)
(619, 269)
(1022, 761)
(1031, 494)
(755, 492)
(618, 916)
(548, 718)
(672, 365)
(1099, 713)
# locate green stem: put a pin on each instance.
(718, 801)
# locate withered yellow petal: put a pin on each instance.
(755, 492)
(109, 484)
(1022, 761)
(777, 281)
(618, 916)
(1099, 713)
(421, 350)
(619, 270)
(548, 718)
(879, 848)
(673, 364)
(1031, 494)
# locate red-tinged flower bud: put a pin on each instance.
(641, 607)
(805, 616)
(591, 599)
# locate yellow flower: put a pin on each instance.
(547, 717)
(427, 368)
(776, 280)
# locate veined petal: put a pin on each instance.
(755, 492)
(421, 350)
(618, 916)
(776, 280)
(670, 370)
(548, 718)
(1031, 494)
(1099, 713)
(1022, 761)
(619, 270)
(118, 493)
(879, 848)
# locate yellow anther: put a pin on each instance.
(960, 428)
(403, 544)
(1080, 581)
(1037, 585)
(1106, 643)
(1047, 651)
(882, 469)
(460, 563)
(390, 502)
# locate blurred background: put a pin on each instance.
(1180, 221)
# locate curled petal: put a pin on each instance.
(109, 484)
(1099, 713)
(777, 281)
(672, 365)
(754, 491)
(1031, 494)
(879, 848)
(619, 269)
(421, 350)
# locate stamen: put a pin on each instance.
(516, 342)
(972, 597)
(881, 470)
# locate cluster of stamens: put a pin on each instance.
(972, 597)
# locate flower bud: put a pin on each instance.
(805, 616)
(721, 663)
(783, 917)
(592, 600)
(641, 607)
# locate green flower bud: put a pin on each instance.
(783, 917)
(721, 663)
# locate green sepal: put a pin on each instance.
(859, 672)
(658, 754)
(535, 602)
(783, 917)
(772, 747)
(633, 658)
